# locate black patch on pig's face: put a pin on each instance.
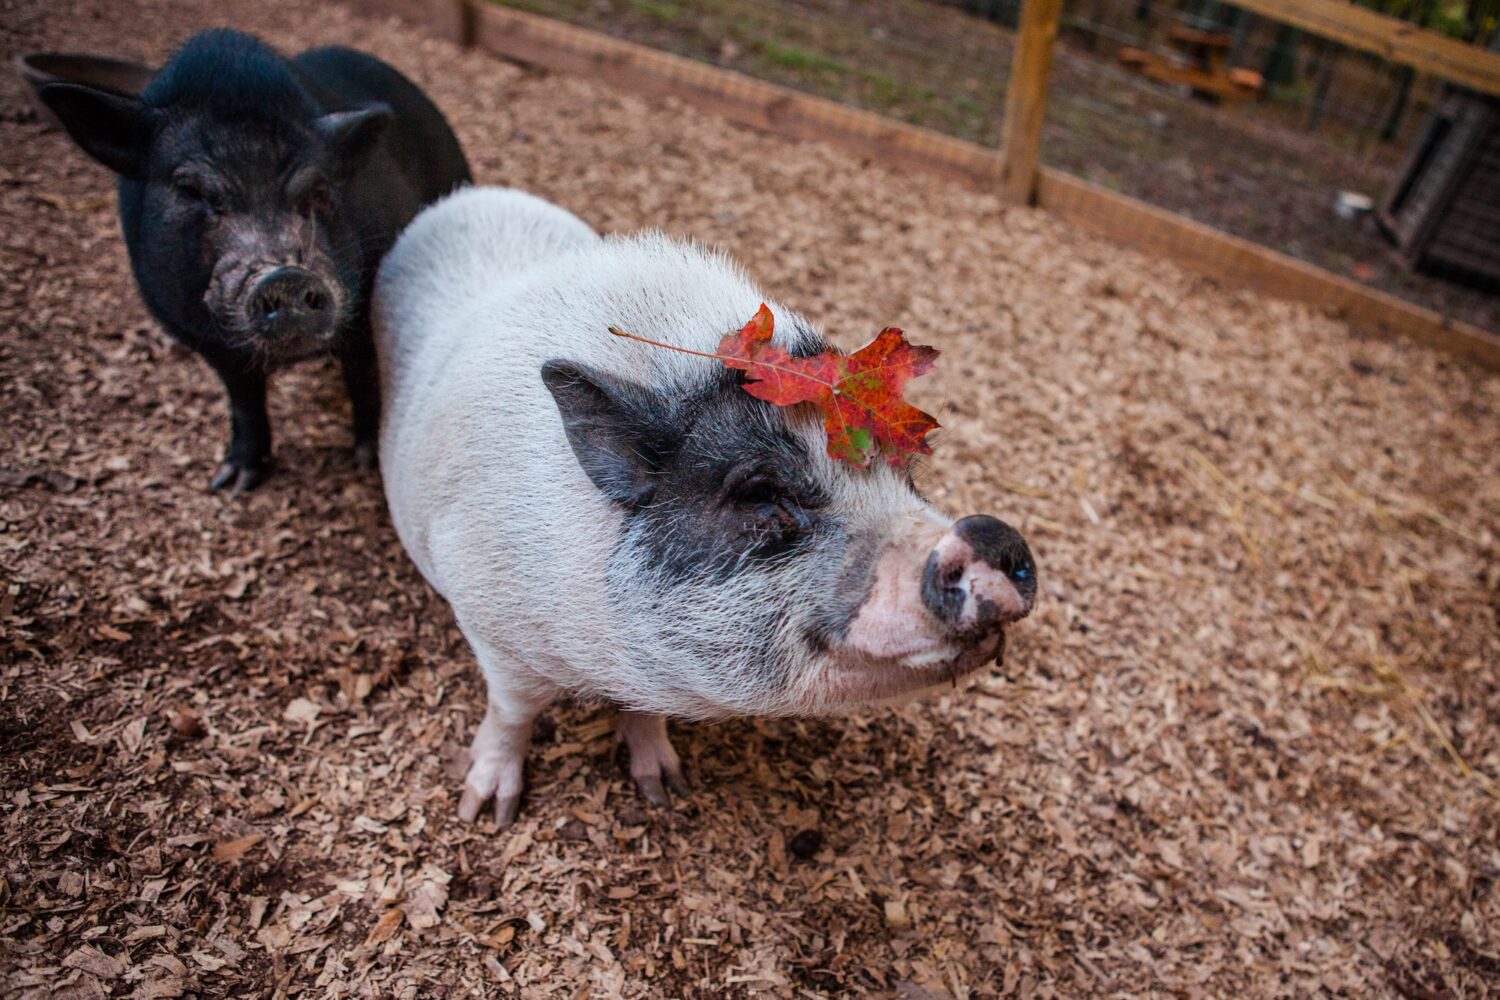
(830, 619)
(712, 481)
(733, 490)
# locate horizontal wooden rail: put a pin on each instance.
(542, 41)
(550, 44)
(1394, 39)
(1159, 233)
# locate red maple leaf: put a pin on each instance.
(860, 394)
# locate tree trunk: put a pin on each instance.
(1392, 127)
(1281, 63)
(1241, 21)
(1327, 63)
(1143, 22)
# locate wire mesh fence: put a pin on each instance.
(1248, 123)
(917, 61)
(1294, 141)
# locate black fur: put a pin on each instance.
(265, 130)
(710, 479)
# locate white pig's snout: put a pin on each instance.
(979, 576)
(943, 597)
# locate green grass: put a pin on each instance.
(798, 60)
(658, 11)
(884, 89)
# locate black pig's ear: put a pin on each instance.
(353, 135)
(113, 128)
(613, 426)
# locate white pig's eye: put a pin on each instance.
(758, 492)
(767, 493)
(776, 516)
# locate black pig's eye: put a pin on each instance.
(191, 191)
(315, 201)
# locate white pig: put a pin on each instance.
(626, 523)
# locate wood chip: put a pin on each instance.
(1245, 745)
(234, 850)
(95, 962)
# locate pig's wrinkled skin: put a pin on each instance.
(257, 196)
(623, 522)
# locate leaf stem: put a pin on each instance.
(671, 347)
(726, 358)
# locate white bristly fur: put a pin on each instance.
(485, 492)
(494, 508)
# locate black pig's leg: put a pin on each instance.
(362, 382)
(248, 461)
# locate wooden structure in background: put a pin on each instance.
(1443, 212)
(543, 42)
(1236, 261)
(1202, 65)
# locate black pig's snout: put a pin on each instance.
(980, 576)
(292, 302)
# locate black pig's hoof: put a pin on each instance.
(240, 477)
(366, 455)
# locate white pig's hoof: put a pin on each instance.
(652, 759)
(652, 787)
(469, 804)
(506, 807)
(506, 810)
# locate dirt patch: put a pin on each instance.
(1245, 745)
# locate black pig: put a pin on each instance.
(257, 197)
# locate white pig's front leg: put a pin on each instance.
(497, 767)
(652, 759)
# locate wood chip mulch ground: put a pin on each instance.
(1247, 745)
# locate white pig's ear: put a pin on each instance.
(115, 129)
(353, 135)
(611, 427)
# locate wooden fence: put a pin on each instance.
(1014, 172)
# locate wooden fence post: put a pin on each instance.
(1026, 99)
